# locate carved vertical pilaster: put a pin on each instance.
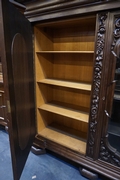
(99, 52)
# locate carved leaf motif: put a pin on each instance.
(102, 18)
(117, 33)
(107, 155)
(102, 29)
(117, 23)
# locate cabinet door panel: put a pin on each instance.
(110, 137)
(17, 59)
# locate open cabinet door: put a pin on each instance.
(18, 75)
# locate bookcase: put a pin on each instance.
(63, 103)
(64, 54)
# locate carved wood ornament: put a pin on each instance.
(96, 83)
(116, 34)
(108, 153)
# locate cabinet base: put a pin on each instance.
(91, 167)
(88, 174)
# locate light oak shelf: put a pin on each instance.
(1, 78)
(74, 85)
(63, 139)
(77, 115)
(82, 52)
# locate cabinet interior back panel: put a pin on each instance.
(74, 37)
(62, 65)
(64, 54)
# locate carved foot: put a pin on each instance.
(86, 173)
(37, 150)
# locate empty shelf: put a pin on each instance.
(63, 139)
(80, 86)
(1, 78)
(65, 52)
(77, 115)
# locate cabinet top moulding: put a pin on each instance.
(82, 52)
(35, 11)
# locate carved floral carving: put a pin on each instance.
(96, 82)
(116, 34)
(117, 23)
(108, 153)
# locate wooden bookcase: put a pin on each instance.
(76, 47)
(64, 67)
